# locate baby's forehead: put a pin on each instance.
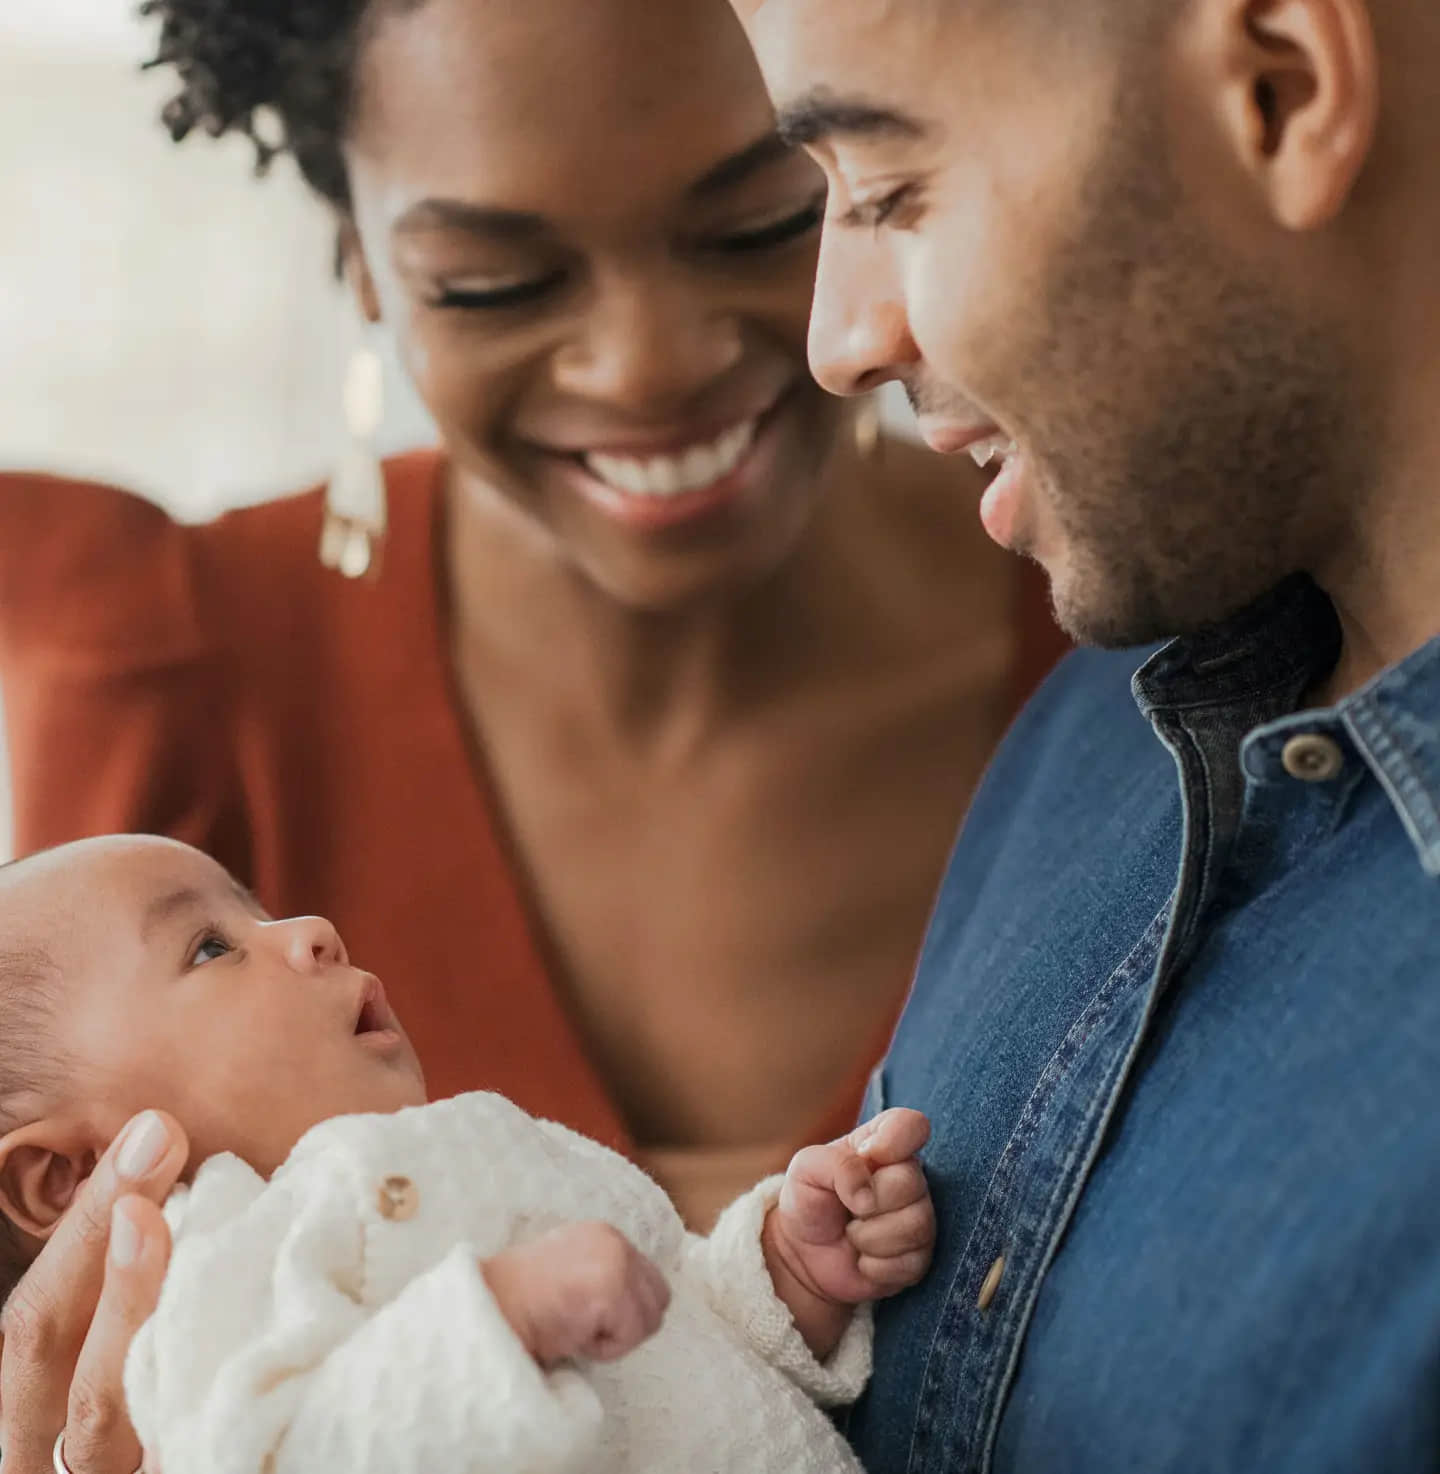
(69, 891)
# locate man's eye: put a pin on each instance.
(776, 232)
(872, 214)
(210, 947)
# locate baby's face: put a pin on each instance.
(178, 993)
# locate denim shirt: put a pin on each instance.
(1180, 1043)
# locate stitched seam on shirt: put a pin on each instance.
(1070, 1180)
(1407, 788)
(1017, 1147)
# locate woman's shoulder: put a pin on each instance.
(84, 565)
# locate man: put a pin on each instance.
(1174, 267)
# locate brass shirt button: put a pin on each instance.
(1313, 758)
(992, 1283)
(399, 1199)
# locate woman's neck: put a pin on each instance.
(520, 610)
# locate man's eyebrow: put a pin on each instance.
(189, 898)
(821, 115)
(770, 149)
(491, 220)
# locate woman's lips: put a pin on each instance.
(651, 492)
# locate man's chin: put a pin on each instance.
(1107, 611)
(1126, 607)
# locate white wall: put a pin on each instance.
(165, 319)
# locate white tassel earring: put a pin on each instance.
(355, 514)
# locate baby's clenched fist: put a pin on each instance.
(580, 1291)
(854, 1223)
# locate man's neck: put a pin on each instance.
(1381, 566)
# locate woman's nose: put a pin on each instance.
(648, 346)
(310, 943)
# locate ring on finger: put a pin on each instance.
(58, 1456)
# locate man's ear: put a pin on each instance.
(41, 1168)
(356, 271)
(1301, 98)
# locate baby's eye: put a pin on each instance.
(210, 947)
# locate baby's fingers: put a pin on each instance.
(824, 1186)
(890, 1276)
(898, 1187)
(891, 1137)
(888, 1234)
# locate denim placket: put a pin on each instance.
(1042, 1171)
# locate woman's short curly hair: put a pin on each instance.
(281, 72)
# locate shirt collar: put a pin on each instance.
(1262, 661)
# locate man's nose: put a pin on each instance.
(859, 331)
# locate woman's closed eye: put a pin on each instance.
(766, 235)
(484, 294)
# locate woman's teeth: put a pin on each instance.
(662, 476)
(983, 452)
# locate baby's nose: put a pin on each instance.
(311, 942)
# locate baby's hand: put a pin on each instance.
(855, 1221)
(580, 1291)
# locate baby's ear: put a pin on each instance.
(41, 1168)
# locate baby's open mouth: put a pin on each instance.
(375, 1015)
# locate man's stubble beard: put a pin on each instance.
(1196, 440)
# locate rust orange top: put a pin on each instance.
(215, 683)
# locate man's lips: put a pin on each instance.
(953, 439)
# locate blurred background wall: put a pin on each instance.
(166, 320)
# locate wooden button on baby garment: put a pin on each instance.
(1313, 758)
(992, 1283)
(399, 1199)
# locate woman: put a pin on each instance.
(634, 767)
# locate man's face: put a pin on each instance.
(1033, 228)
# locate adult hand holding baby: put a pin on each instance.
(65, 1331)
(854, 1222)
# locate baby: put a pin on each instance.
(361, 1281)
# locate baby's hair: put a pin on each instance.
(28, 1065)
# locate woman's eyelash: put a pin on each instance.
(779, 232)
(497, 298)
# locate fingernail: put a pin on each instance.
(124, 1237)
(144, 1145)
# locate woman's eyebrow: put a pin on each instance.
(487, 220)
(736, 169)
